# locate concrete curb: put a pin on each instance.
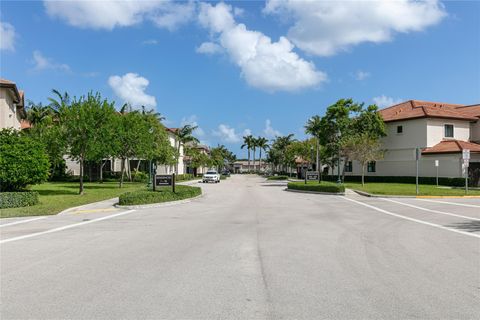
(316, 192)
(366, 194)
(84, 205)
(158, 205)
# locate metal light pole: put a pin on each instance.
(339, 134)
(149, 185)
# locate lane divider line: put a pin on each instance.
(412, 219)
(451, 203)
(31, 235)
(431, 210)
(20, 221)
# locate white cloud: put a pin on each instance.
(105, 14)
(247, 132)
(238, 12)
(209, 48)
(193, 121)
(271, 66)
(41, 63)
(326, 27)
(131, 89)
(361, 75)
(227, 134)
(7, 36)
(269, 131)
(383, 101)
(150, 42)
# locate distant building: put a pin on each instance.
(241, 166)
(12, 106)
(441, 130)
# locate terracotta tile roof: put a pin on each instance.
(172, 130)
(452, 146)
(413, 109)
(18, 95)
(25, 124)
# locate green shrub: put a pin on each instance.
(322, 187)
(184, 177)
(139, 176)
(162, 194)
(23, 161)
(277, 178)
(444, 181)
(223, 177)
(18, 199)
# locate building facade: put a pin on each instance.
(12, 106)
(442, 131)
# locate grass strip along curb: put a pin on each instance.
(324, 187)
(163, 194)
(18, 199)
(277, 178)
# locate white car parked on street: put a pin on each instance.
(211, 176)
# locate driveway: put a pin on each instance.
(248, 250)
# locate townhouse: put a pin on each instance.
(12, 106)
(441, 130)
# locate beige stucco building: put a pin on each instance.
(442, 131)
(12, 106)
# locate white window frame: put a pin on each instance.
(453, 130)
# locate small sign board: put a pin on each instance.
(436, 163)
(418, 153)
(466, 154)
(311, 175)
(163, 180)
(466, 163)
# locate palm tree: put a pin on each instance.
(248, 143)
(62, 100)
(282, 143)
(262, 144)
(152, 112)
(184, 135)
(314, 128)
(37, 113)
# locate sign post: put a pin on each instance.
(165, 180)
(418, 153)
(436, 166)
(466, 160)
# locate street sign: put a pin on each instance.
(311, 175)
(418, 153)
(466, 162)
(466, 154)
(163, 180)
(436, 163)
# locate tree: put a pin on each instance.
(364, 148)
(184, 136)
(23, 161)
(277, 152)
(314, 128)
(262, 144)
(248, 143)
(83, 122)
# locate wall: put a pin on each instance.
(475, 131)
(9, 117)
(435, 130)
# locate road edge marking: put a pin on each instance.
(412, 219)
(20, 221)
(451, 203)
(432, 210)
(69, 226)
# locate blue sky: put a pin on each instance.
(239, 67)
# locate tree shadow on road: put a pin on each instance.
(471, 226)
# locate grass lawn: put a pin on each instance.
(409, 189)
(58, 196)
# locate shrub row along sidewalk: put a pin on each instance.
(163, 194)
(328, 187)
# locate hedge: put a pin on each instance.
(163, 194)
(18, 199)
(453, 182)
(277, 178)
(322, 187)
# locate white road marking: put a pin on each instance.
(412, 219)
(65, 227)
(451, 203)
(20, 221)
(431, 210)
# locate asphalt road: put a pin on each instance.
(248, 250)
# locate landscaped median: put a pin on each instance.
(311, 186)
(163, 194)
(277, 178)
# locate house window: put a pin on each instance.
(371, 166)
(348, 166)
(449, 131)
(399, 129)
